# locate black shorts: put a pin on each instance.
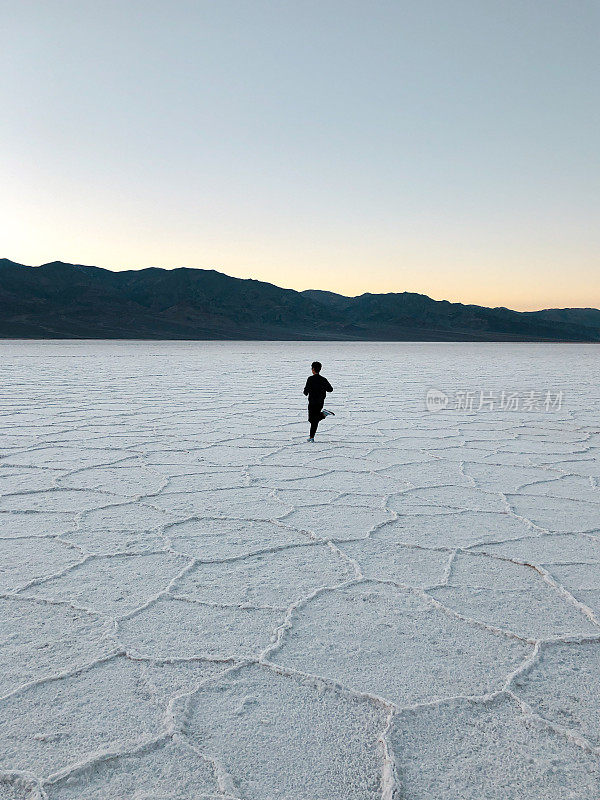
(315, 412)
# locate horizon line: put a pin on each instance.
(299, 291)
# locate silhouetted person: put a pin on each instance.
(316, 388)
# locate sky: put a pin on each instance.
(448, 147)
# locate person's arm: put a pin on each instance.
(328, 386)
(306, 387)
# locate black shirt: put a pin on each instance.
(316, 388)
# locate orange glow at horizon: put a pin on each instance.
(460, 264)
(457, 277)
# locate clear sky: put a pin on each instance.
(449, 147)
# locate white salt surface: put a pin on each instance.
(197, 603)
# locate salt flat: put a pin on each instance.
(197, 603)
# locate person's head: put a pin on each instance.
(316, 367)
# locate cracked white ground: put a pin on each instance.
(196, 603)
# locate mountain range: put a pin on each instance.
(71, 301)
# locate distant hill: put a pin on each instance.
(66, 301)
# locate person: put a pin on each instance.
(316, 388)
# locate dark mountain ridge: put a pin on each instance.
(71, 301)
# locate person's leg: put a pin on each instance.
(315, 415)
